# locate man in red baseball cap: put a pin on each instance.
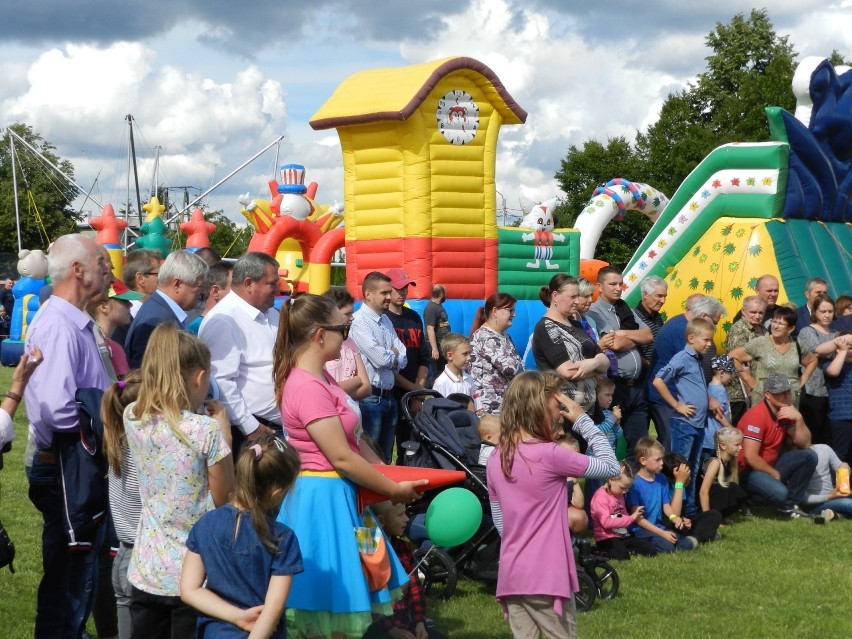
(409, 329)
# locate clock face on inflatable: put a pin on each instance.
(458, 117)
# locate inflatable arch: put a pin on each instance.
(301, 235)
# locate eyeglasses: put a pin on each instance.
(147, 273)
(779, 322)
(511, 311)
(343, 329)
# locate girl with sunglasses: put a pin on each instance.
(331, 597)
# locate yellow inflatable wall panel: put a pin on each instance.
(725, 263)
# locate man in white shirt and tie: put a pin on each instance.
(384, 355)
(240, 331)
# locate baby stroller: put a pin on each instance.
(445, 436)
(597, 577)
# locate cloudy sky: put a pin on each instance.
(211, 82)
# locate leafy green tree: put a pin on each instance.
(229, 239)
(750, 67)
(44, 198)
(836, 59)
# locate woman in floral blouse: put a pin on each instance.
(494, 360)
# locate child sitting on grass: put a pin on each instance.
(409, 613)
(650, 491)
(704, 526)
(611, 519)
(822, 498)
(609, 417)
(578, 520)
(720, 489)
(454, 378)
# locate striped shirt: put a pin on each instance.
(375, 336)
(125, 503)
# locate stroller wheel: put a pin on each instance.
(438, 572)
(606, 579)
(588, 591)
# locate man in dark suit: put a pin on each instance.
(181, 282)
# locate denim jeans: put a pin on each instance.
(633, 401)
(841, 438)
(840, 505)
(796, 469)
(66, 593)
(122, 589)
(661, 544)
(378, 416)
(661, 415)
(687, 441)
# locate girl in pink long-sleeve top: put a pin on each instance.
(611, 518)
(526, 479)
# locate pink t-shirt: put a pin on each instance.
(305, 400)
(609, 514)
(536, 556)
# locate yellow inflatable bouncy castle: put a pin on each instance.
(419, 146)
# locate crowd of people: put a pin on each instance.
(238, 437)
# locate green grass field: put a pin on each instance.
(766, 578)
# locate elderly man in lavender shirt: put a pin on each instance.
(80, 271)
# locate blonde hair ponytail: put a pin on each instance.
(171, 358)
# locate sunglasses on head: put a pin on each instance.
(343, 329)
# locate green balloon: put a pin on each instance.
(453, 517)
(621, 448)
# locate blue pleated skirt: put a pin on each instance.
(332, 594)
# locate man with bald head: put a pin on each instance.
(80, 272)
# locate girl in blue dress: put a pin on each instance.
(247, 558)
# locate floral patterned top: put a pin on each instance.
(741, 333)
(174, 491)
(494, 361)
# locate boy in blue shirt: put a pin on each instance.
(682, 386)
(650, 490)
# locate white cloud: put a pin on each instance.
(209, 110)
(77, 98)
